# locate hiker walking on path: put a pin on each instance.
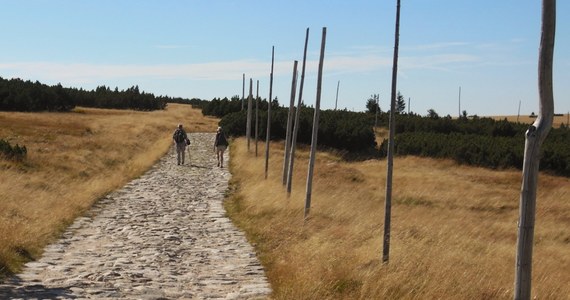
(220, 145)
(181, 141)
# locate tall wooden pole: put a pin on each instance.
(256, 117)
(297, 116)
(409, 103)
(534, 138)
(459, 102)
(336, 101)
(243, 92)
(289, 124)
(315, 128)
(388, 203)
(268, 133)
(249, 104)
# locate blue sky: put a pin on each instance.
(201, 49)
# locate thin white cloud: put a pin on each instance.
(225, 70)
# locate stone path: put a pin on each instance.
(162, 236)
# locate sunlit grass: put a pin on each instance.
(453, 228)
(73, 160)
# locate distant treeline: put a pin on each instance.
(478, 141)
(475, 140)
(20, 95)
(339, 129)
(104, 97)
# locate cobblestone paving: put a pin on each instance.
(162, 236)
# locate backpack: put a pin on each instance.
(179, 136)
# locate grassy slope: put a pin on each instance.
(453, 229)
(74, 159)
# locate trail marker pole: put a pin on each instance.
(388, 203)
(336, 101)
(315, 128)
(256, 117)
(268, 133)
(289, 124)
(297, 115)
(535, 136)
(248, 125)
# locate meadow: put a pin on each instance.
(74, 159)
(453, 228)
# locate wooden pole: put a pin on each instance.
(409, 101)
(336, 101)
(256, 117)
(377, 98)
(392, 125)
(243, 92)
(297, 116)
(289, 124)
(459, 102)
(519, 112)
(535, 136)
(268, 133)
(315, 128)
(248, 125)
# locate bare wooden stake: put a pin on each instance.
(336, 100)
(243, 92)
(289, 124)
(315, 128)
(297, 115)
(392, 125)
(268, 133)
(535, 136)
(248, 125)
(519, 111)
(256, 117)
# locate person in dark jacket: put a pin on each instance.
(180, 141)
(220, 145)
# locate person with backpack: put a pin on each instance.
(220, 145)
(181, 141)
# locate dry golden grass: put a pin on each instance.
(453, 228)
(74, 159)
(558, 120)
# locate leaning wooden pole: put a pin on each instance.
(315, 128)
(249, 104)
(392, 126)
(534, 137)
(256, 117)
(289, 124)
(268, 131)
(297, 116)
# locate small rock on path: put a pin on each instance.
(162, 236)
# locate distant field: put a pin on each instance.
(558, 120)
(453, 228)
(74, 159)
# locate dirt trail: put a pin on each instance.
(162, 236)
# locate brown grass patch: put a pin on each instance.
(74, 159)
(557, 121)
(453, 228)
